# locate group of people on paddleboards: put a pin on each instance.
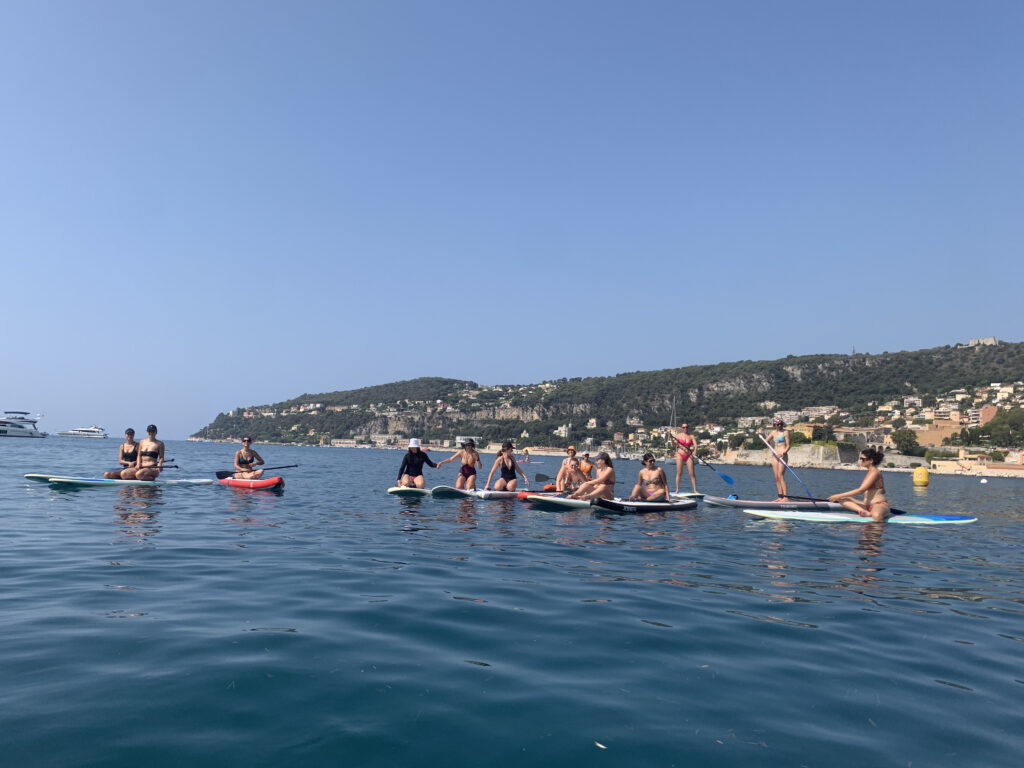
(576, 477)
(874, 505)
(143, 460)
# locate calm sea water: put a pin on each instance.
(332, 624)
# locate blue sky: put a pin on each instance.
(212, 204)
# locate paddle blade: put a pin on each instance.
(224, 473)
(727, 479)
(539, 478)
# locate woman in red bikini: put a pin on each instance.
(685, 455)
(470, 461)
(875, 504)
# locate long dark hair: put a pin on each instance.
(606, 457)
(873, 455)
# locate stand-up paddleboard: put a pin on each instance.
(689, 495)
(622, 506)
(498, 494)
(557, 502)
(263, 483)
(401, 490)
(451, 492)
(820, 506)
(100, 481)
(852, 517)
(40, 478)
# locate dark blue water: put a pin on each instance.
(332, 624)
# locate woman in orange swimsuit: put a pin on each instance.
(875, 504)
(685, 455)
(602, 486)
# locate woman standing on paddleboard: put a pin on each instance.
(875, 505)
(506, 462)
(151, 458)
(778, 438)
(685, 455)
(246, 460)
(410, 475)
(126, 456)
(602, 486)
(470, 461)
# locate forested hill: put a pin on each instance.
(441, 408)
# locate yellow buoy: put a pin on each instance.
(921, 478)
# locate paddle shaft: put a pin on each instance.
(225, 473)
(784, 463)
(727, 479)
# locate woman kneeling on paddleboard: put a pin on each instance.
(410, 475)
(506, 462)
(151, 458)
(602, 486)
(651, 482)
(875, 504)
(246, 460)
(470, 461)
(127, 455)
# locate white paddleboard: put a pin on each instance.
(498, 494)
(851, 517)
(100, 481)
(451, 492)
(690, 495)
(399, 490)
(561, 502)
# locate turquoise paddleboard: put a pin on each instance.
(851, 517)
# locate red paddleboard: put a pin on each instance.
(263, 482)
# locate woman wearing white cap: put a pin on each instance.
(411, 473)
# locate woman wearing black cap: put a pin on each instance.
(470, 461)
(151, 458)
(126, 456)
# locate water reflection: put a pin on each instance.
(254, 506)
(135, 510)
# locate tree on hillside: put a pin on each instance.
(905, 441)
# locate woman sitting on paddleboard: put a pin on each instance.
(246, 460)
(470, 461)
(651, 482)
(875, 504)
(410, 474)
(506, 462)
(602, 486)
(150, 460)
(570, 477)
(778, 438)
(685, 455)
(127, 454)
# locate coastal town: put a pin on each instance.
(919, 429)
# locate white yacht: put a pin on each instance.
(20, 424)
(93, 431)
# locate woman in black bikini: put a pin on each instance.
(875, 505)
(246, 460)
(506, 462)
(150, 460)
(126, 456)
(470, 461)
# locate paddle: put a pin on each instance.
(223, 474)
(812, 498)
(784, 463)
(727, 479)
(165, 466)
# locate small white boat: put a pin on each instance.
(20, 424)
(92, 431)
